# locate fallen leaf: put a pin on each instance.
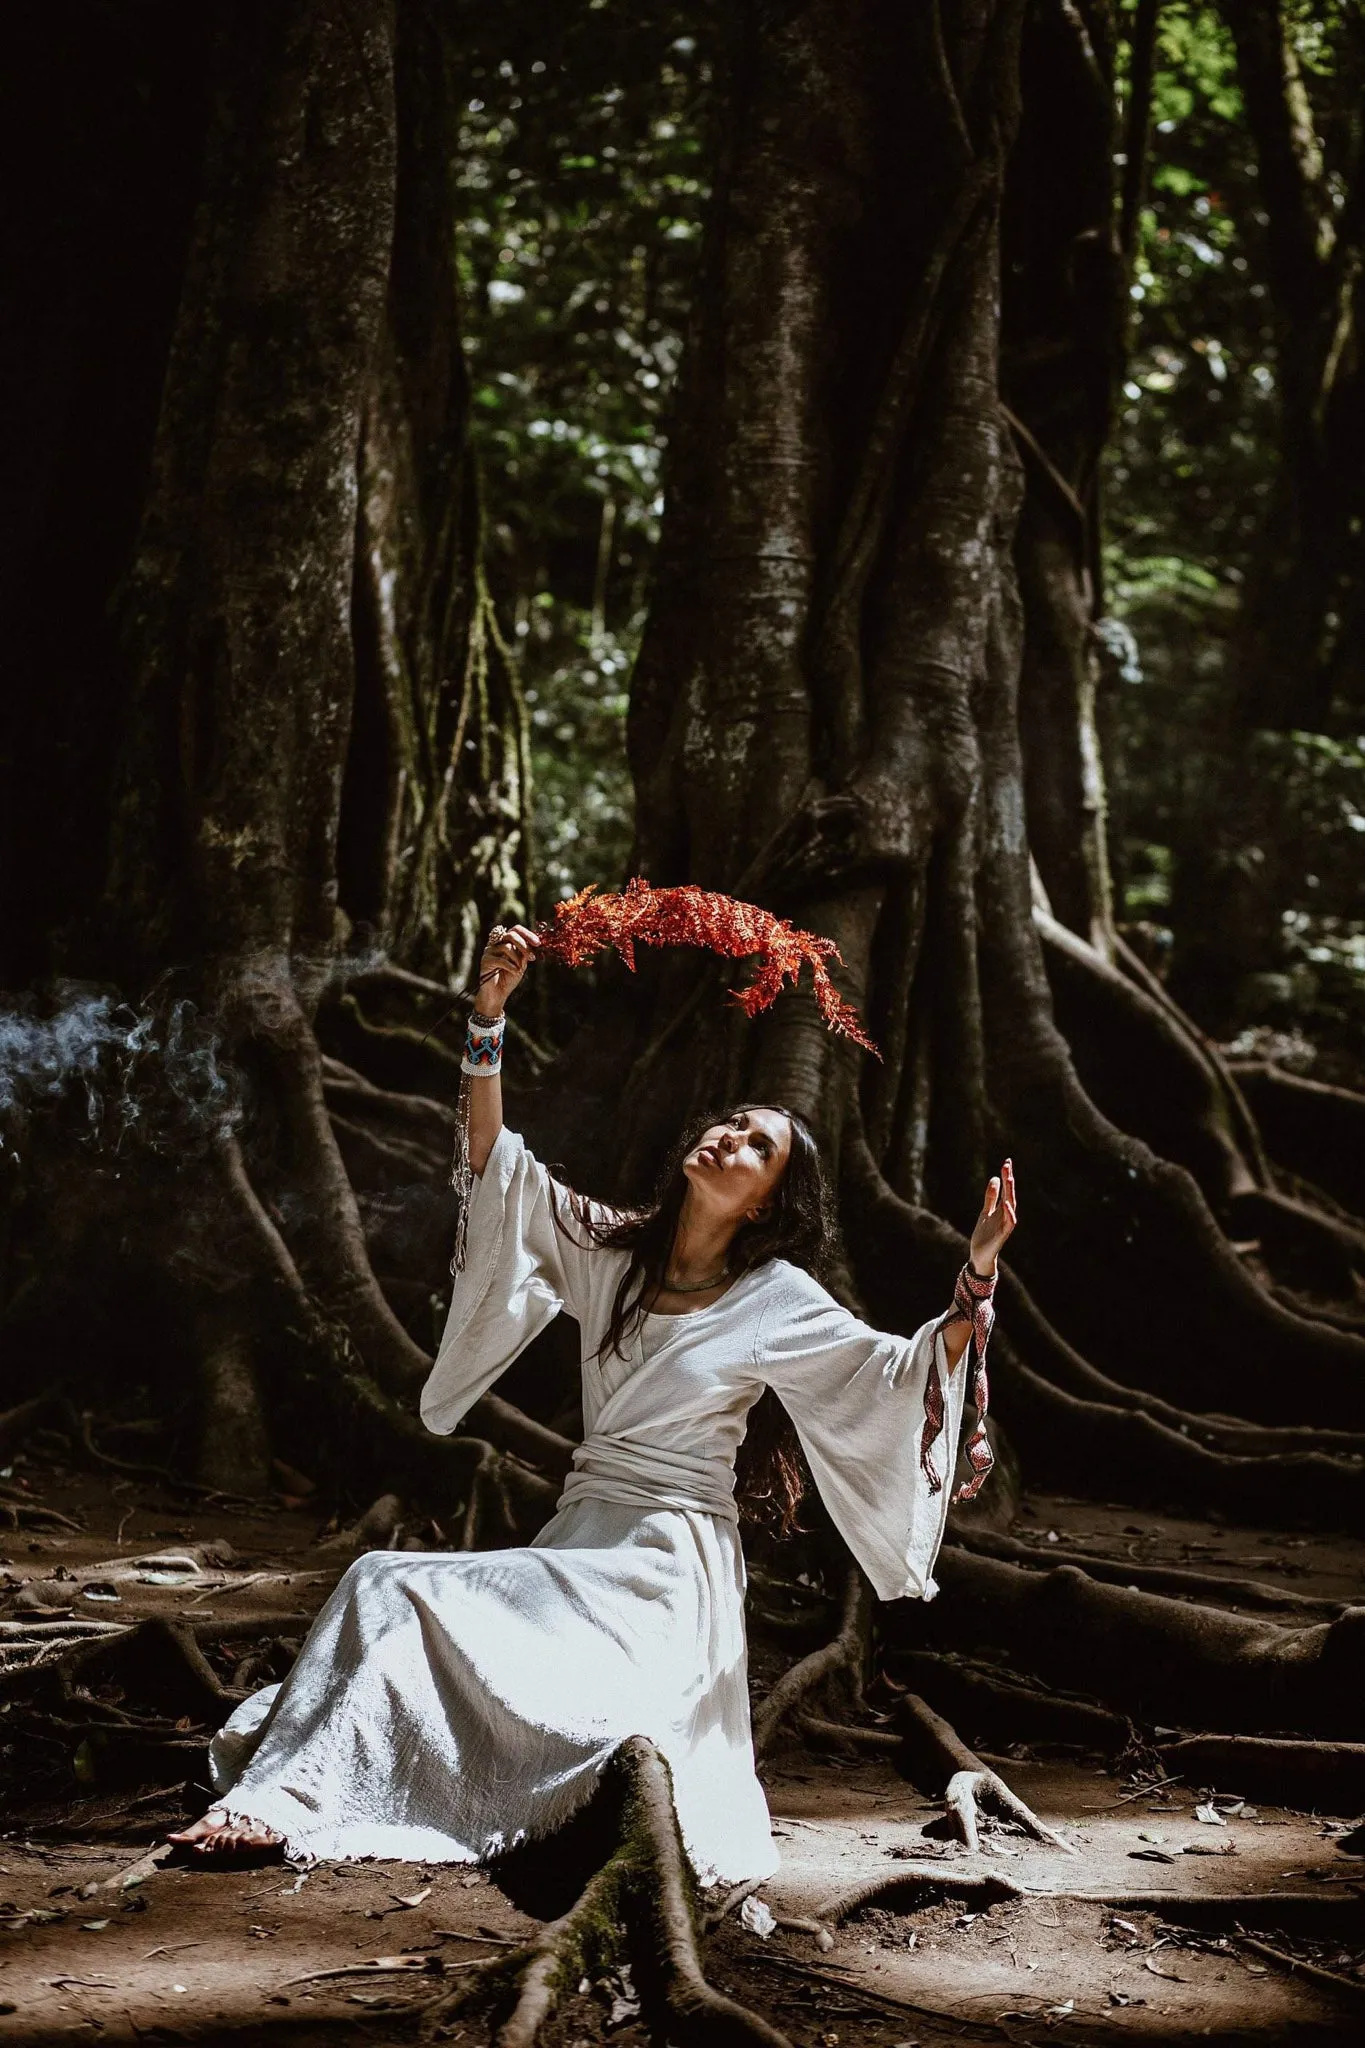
(93, 1926)
(413, 1898)
(756, 1918)
(1210, 1816)
(1210, 1849)
(1151, 1856)
(1169, 1975)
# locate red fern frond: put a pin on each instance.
(644, 916)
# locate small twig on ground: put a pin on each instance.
(1142, 1792)
(1331, 1980)
(385, 1966)
(455, 1934)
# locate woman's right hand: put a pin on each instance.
(509, 952)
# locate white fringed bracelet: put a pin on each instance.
(482, 1059)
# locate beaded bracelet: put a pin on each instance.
(483, 1044)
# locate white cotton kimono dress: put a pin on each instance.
(446, 1707)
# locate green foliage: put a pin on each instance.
(1189, 473)
(582, 164)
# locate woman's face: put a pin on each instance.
(735, 1166)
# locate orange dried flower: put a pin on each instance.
(644, 916)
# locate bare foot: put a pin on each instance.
(218, 1836)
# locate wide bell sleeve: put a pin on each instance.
(521, 1268)
(858, 1398)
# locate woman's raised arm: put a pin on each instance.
(506, 957)
(999, 1214)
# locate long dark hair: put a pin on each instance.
(797, 1225)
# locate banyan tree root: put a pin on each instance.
(641, 1906)
(1001, 1708)
(1146, 1462)
(1326, 1777)
(115, 1706)
(844, 1655)
(935, 1753)
(910, 1891)
(849, 1737)
(158, 1662)
(1113, 1571)
(20, 1422)
(1168, 1660)
(18, 1513)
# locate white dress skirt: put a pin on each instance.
(446, 1707)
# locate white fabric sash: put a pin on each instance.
(644, 1475)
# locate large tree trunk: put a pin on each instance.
(316, 732)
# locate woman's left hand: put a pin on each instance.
(998, 1217)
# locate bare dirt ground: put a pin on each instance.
(94, 1944)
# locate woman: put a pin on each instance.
(445, 1707)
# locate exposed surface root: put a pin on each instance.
(18, 1513)
(845, 1653)
(1001, 1708)
(849, 1736)
(908, 1891)
(1066, 1418)
(1148, 1463)
(1330, 1980)
(940, 1762)
(1326, 1777)
(1148, 1578)
(1188, 1666)
(18, 1423)
(1312, 1128)
(641, 1904)
(1043, 1348)
(159, 1659)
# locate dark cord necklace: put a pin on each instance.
(668, 1286)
